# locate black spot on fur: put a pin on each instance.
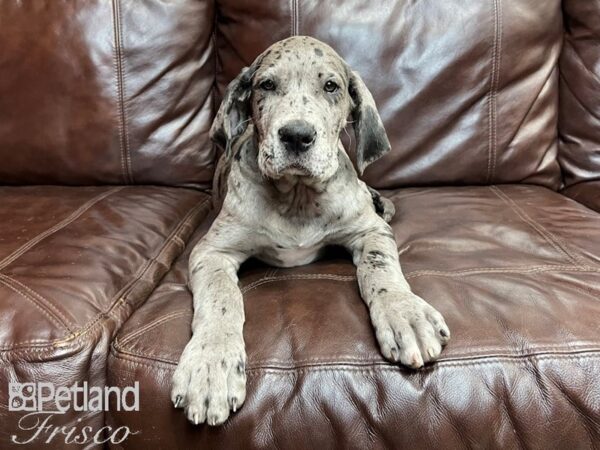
(318, 52)
(241, 367)
(377, 202)
(223, 310)
(382, 291)
(377, 259)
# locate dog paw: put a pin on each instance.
(210, 380)
(408, 329)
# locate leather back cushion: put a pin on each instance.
(468, 91)
(579, 93)
(102, 91)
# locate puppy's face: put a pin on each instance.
(300, 103)
(298, 95)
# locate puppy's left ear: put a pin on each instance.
(231, 119)
(234, 113)
(371, 139)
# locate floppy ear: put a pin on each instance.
(371, 140)
(234, 113)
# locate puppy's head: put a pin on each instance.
(299, 95)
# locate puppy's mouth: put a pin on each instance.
(295, 168)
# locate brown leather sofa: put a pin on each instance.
(493, 111)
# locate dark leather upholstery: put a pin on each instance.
(106, 92)
(74, 263)
(468, 91)
(493, 113)
(519, 291)
(580, 103)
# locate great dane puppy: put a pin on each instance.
(288, 189)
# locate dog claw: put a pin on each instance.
(178, 401)
(234, 404)
(196, 419)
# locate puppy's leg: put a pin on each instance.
(408, 329)
(210, 379)
(383, 206)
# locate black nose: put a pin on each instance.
(297, 136)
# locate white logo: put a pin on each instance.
(42, 401)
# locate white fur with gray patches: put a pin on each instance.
(285, 206)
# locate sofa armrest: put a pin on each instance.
(587, 193)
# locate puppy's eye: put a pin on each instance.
(331, 86)
(267, 85)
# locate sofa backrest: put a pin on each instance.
(468, 90)
(106, 91)
(124, 91)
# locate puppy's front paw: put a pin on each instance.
(409, 330)
(210, 379)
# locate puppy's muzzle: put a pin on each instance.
(297, 136)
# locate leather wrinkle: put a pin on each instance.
(578, 99)
(530, 108)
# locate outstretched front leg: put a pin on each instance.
(210, 379)
(408, 329)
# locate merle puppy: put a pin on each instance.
(286, 189)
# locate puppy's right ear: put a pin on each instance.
(235, 112)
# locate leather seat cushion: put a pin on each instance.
(74, 264)
(514, 269)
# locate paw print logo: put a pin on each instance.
(21, 397)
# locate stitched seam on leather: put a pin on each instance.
(119, 343)
(553, 240)
(46, 312)
(121, 296)
(44, 302)
(293, 17)
(63, 223)
(298, 17)
(119, 63)
(119, 299)
(315, 276)
(492, 95)
(377, 366)
(413, 194)
(487, 270)
(344, 359)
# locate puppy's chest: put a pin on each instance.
(294, 246)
